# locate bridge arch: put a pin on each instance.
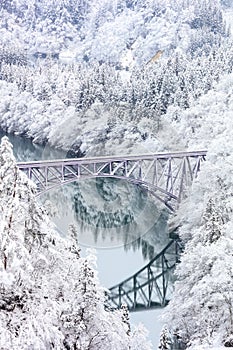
(167, 176)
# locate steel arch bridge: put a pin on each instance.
(167, 176)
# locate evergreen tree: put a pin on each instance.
(165, 339)
(23, 304)
(213, 221)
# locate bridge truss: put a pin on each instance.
(152, 286)
(167, 176)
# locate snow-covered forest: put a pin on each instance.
(158, 55)
(113, 77)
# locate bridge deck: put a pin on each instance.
(88, 160)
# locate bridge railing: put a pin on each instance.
(88, 160)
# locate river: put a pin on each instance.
(121, 222)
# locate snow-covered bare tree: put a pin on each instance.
(86, 322)
(138, 338)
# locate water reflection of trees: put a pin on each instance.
(138, 224)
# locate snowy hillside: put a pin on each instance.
(205, 272)
(103, 30)
(174, 52)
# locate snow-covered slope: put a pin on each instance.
(204, 275)
(174, 52)
(102, 30)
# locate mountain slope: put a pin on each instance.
(105, 31)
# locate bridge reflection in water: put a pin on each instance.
(167, 176)
(152, 286)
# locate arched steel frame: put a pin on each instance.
(167, 176)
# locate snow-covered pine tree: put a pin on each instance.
(213, 220)
(125, 318)
(165, 339)
(85, 321)
(26, 311)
